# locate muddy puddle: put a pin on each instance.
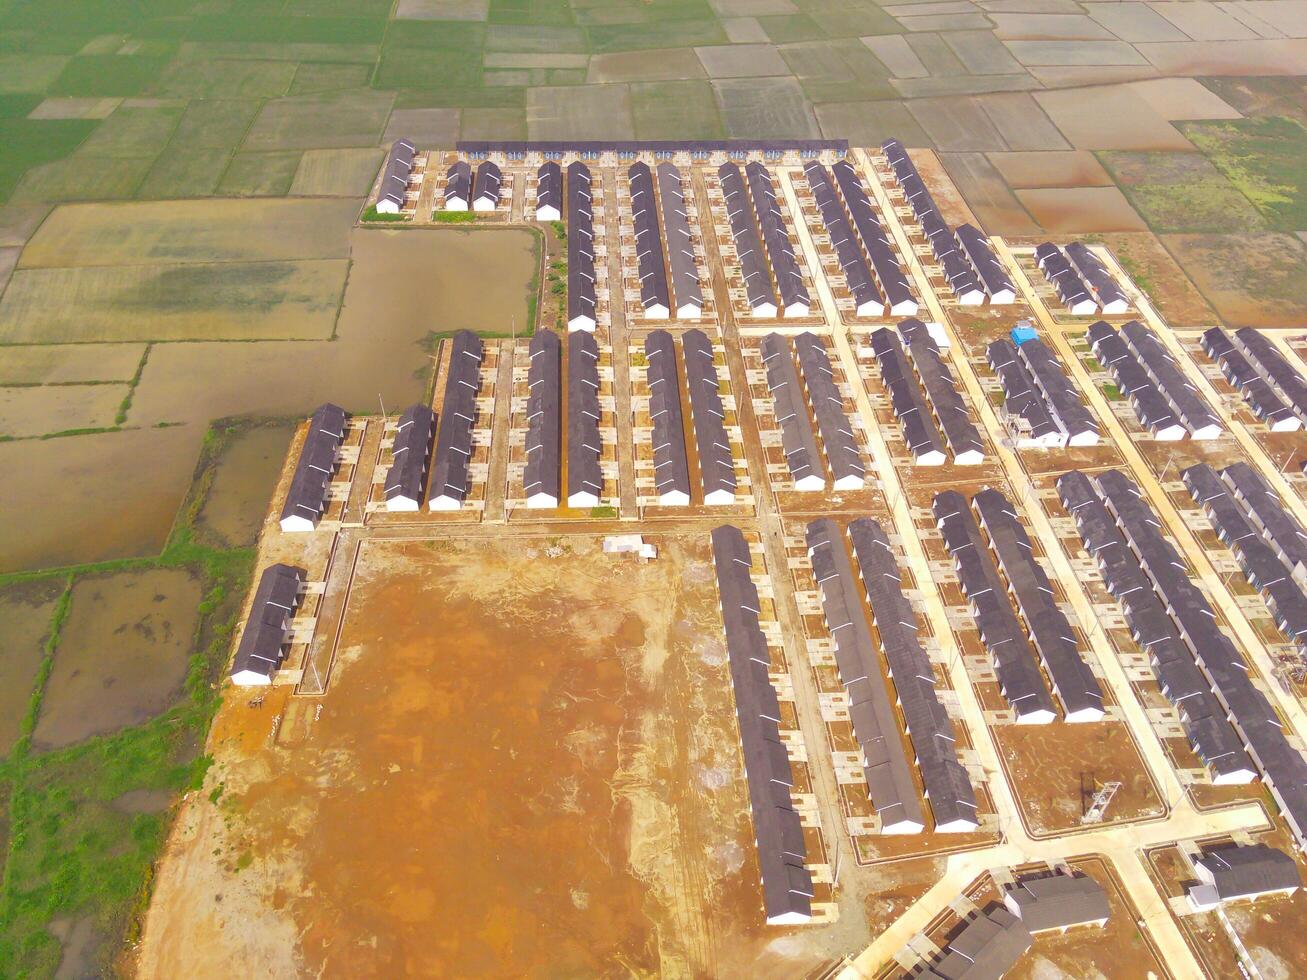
(526, 765)
(80, 940)
(243, 480)
(25, 613)
(122, 654)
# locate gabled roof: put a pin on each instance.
(584, 473)
(948, 787)
(867, 298)
(648, 240)
(394, 179)
(797, 438)
(306, 497)
(875, 242)
(919, 432)
(450, 479)
(776, 238)
(686, 289)
(1249, 869)
(260, 652)
(1014, 661)
(411, 452)
(748, 242)
(581, 299)
(488, 179)
(842, 454)
(542, 475)
(716, 462)
(671, 467)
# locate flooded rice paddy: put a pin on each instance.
(526, 765)
(25, 612)
(91, 497)
(95, 497)
(243, 481)
(122, 654)
(39, 411)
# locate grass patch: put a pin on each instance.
(1113, 392)
(73, 854)
(455, 217)
(675, 110)
(107, 74)
(655, 34)
(371, 215)
(1265, 158)
(29, 143)
(260, 174)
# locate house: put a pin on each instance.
(485, 196)
(262, 646)
(1241, 872)
(394, 178)
(458, 186)
(549, 192)
(410, 454)
(1059, 902)
(306, 500)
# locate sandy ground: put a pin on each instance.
(526, 764)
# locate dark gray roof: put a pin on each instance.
(1280, 527)
(1249, 869)
(991, 272)
(875, 727)
(458, 181)
(1264, 401)
(797, 438)
(828, 408)
(1051, 634)
(1057, 269)
(786, 883)
(775, 236)
(671, 468)
(457, 413)
(580, 244)
(748, 243)
(909, 404)
(1020, 396)
(686, 289)
(875, 242)
(561, 147)
(1283, 376)
(584, 474)
(1014, 661)
(1057, 901)
(307, 495)
(1282, 766)
(987, 947)
(549, 186)
(948, 787)
(1190, 407)
(942, 392)
(394, 178)
(544, 416)
(1152, 409)
(847, 249)
(1261, 563)
(487, 182)
(716, 462)
(1210, 734)
(1062, 400)
(411, 453)
(262, 645)
(1093, 272)
(648, 239)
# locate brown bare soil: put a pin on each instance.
(526, 764)
(1156, 273)
(1050, 764)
